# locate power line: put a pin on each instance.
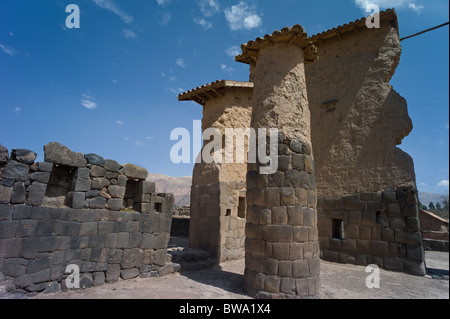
(428, 30)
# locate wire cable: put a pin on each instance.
(428, 30)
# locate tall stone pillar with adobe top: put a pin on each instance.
(282, 250)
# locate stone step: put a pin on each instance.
(190, 259)
(178, 255)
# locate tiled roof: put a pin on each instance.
(250, 49)
(212, 90)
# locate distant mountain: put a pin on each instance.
(180, 187)
(427, 198)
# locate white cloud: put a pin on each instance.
(17, 109)
(386, 4)
(241, 16)
(233, 51)
(163, 3)
(139, 143)
(88, 102)
(447, 126)
(111, 6)
(11, 34)
(165, 19)
(209, 7)
(226, 68)
(443, 183)
(173, 78)
(128, 34)
(175, 91)
(8, 50)
(181, 63)
(114, 81)
(149, 138)
(204, 23)
(119, 122)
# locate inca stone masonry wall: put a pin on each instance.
(76, 209)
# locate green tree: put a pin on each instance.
(438, 206)
(445, 201)
(431, 206)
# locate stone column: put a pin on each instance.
(282, 250)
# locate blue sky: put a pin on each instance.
(110, 86)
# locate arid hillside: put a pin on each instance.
(180, 187)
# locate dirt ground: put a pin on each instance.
(225, 282)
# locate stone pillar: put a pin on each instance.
(282, 250)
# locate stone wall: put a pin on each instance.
(216, 225)
(379, 228)
(76, 209)
(434, 231)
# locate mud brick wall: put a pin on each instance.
(379, 228)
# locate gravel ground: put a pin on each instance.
(225, 282)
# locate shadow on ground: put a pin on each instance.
(217, 277)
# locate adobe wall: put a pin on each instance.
(216, 223)
(90, 217)
(364, 182)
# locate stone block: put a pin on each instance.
(415, 253)
(78, 200)
(393, 263)
(115, 204)
(309, 217)
(411, 238)
(272, 284)
(14, 267)
(89, 229)
(116, 191)
(8, 228)
(300, 234)
(99, 183)
(41, 177)
(82, 185)
(18, 195)
(378, 248)
(354, 205)
(5, 194)
(15, 171)
(113, 273)
(6, 211)
(271, 199)
(287, 196)
(83, 173)
(147, 187)
(283, 162)
(134, 172)
(368, 218)
(300, 269)
(95, 159)
(412, 224)
(414, 268)
(4, 155)
(26, 228)
(279, 215)
(411, 210)
(295, 215)
(97, 203)
(293, 178)
(112, 166)
(99, 278)
(354, 217)
(287, 285)
(97, 171)
(280, 251)
(59, 154)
